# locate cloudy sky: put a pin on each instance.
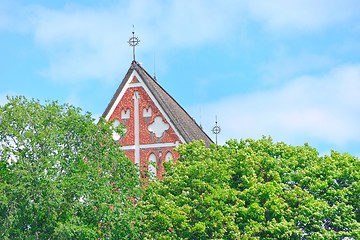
(288, 69)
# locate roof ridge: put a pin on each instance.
(177, 104)
(166, 92)
(182, 121)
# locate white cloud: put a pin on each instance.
(81, 43)
(306, 109)
(299, 15)
(284, 65)
(85, 43)
(201, 22)
(90, 43)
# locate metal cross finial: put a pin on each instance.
(133, 42)
(216, 129)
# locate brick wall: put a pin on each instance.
(146, 137)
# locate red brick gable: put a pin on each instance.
(145, 104)
(134, 80)
(155, 123)
(144, 113)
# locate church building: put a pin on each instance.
(154, 122)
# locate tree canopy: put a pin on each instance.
(62, 176)
(254, 189)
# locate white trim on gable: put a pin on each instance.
(127, 85)
(152, 145)
(121, 94)
(136, 127)
(135, 84)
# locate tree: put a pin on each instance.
(62, 176)
(254, 190)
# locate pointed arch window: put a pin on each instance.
(152, 164)
(168, 156)
(116, 136)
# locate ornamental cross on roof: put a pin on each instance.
(133, 42)
(216, 129)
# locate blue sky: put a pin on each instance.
(288, 69)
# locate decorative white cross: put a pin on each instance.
(133, 42)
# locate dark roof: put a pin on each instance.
(184, 124)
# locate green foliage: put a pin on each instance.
(254, 190)
(62, 176)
